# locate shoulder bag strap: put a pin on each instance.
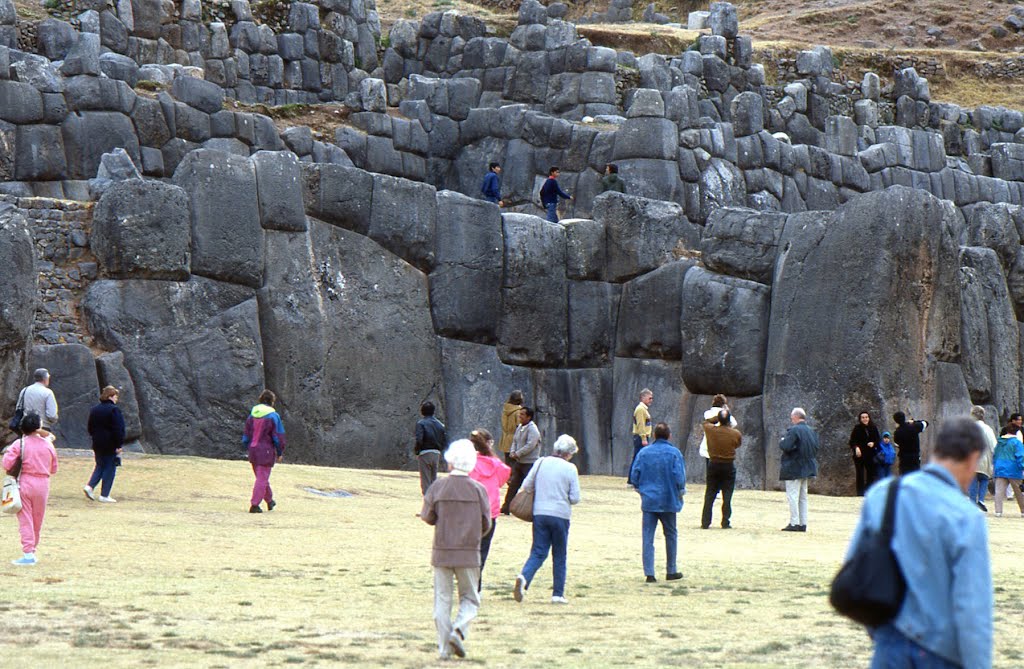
(889, 517)
(21, 400)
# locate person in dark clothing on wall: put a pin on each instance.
(550, 192)
(491, 187)
(864, 442)
(908, 441)
(611, 180)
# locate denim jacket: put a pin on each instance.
(659, 475)
(941, 542)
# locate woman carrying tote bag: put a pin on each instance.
(38, 463)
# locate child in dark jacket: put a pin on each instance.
(264, 437)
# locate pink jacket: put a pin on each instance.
(491, 473)
(40, 458)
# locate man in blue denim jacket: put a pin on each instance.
(941, 542)
(659, 475)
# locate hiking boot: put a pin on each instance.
(87, 489)
(674, 577)
(255, 509)
(651, 579)
(455, 644)
(519, 589)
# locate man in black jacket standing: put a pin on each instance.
(908, 442)
(430, 441)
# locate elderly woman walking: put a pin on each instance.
(38, 461)
(106, 427)
(556, 486)
(264, 437)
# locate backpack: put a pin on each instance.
(870, 587)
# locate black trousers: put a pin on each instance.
(485, 549)
(721, 478)
(515, 481)
(910, 465)
(865, 474)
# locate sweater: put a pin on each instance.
(264, 435)
(722, 441)
(509, 423)
(860, 436)
(612, 182)
(491, 473)
(659, 475)
(39, 399)
(430, 435)
(641, 420)
(106, 427)
(526, 443)
(40, 458)
(458, 508)
(556, 486)
(491, 187)
(551, 191)
(1008, 458)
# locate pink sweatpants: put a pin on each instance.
(261, 491)
(35, 490)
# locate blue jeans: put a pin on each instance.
(979, 486)
(105, 469)
(895, 651)
(668, 527)
(552, 209)
(550, 533)
(882, 471)
(638, 443)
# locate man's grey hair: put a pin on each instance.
(645, 392)
(977, 412)
(41, 374)
(565, 445)
(799, 413)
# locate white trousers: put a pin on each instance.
(469, 602)
(796, 494)
(1011, 486)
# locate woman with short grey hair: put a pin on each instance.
(556, 486)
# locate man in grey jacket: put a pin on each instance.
(799, 464)
(38, 398)
(524, 452)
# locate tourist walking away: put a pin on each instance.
(458, 508)
(799, 464)
(908, 441)
(106, 427)
(556, 486)
(491, 473)
(941, 543)
(718, 402)
(885, 457)
(611, 181)
(863, 446)
(509, 422)
(979, 486)
(524, 452)
(491, 187)
(641, 428)
(264, 437)
(1008, 467)
(38, 460)
(550, 192)
(37, 398)
(659, 475)
(430, 441)
(723, 440)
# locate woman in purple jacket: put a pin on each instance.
(264, 436)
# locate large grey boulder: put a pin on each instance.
(142, 230)
(465, 286)
(533, 326)
(90, 134)
(40, 153)
(84, 57)
(20, 102)
(585, 249)
(721, 185)
(875, 246)
(576, 402)
(630, 376)
(992, 225)
(205, 96)
(20, 276)
(724, 333)
(193, 350)
(742, 242)
(641, 233)
(75, 385)
(227, 239)
(403, 216)
(55, 38)
(279, 184)
(338, 195)
(111, 372)
(593, 315)
(649, 313)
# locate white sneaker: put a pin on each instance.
(998, 515)
(87, 489)
(559, 600)
(108, 500)
(519, 590)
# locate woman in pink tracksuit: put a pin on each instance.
(491, 473)
(264, 436)
(38, 462)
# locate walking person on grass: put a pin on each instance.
(38, 461)
(264, 437)
(491, 473)
(659, 475)
(106, 427)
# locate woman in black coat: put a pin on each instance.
(864, 442)
(106, 426)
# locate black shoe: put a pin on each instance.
(270, 505)
(255, 509)
(727, 526)
(791, 528)
(801, 528)
(983, 508)
(673, 577)
(651, 579)
(505, 512)
(704, 527)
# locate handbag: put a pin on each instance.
(14, 424)
(10, 494)
(522, 504)
(870, 586)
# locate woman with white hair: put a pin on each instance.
(556, 486)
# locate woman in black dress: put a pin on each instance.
(864, 442)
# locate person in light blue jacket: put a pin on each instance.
(941, 542)
(1008, 467)
(659, 475)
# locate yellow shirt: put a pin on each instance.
(641, 420)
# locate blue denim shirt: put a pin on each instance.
(659, 475)
(941, 542)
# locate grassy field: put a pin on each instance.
(177, 574)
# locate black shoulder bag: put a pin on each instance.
(14, 425)
(870, 587)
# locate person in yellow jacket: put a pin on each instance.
(510, 421)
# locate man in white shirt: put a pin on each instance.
(38, 398)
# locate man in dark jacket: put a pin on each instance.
(106, 427)
(799, 464)
(550, 192)
(430, 440)
(491, 187)
(611, 180)
(908, 442)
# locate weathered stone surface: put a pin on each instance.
(750, 459)
(142, 230)
(593, 315)
(585, 249)
(338, 195)
(721, 185)
(992, 226)
(465, 286)
(205, 96)
(40, 154)
(279, 184)
(20, 276)
(88, 135)
(647, 137)
(533, 326)
(641, 233)
(74, 384)
(576, 402)
(403, 218)
(875, 258)
(649, 313)
(20, 103)
(630, 376)
(742, 243)
(724, 333)
(227, 239)
(111, 371)
(193, 350)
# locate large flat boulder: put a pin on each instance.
(649, 313)
(576, 402)
(641, 233)
(742, 242)
(75, 385)
(630, 376)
